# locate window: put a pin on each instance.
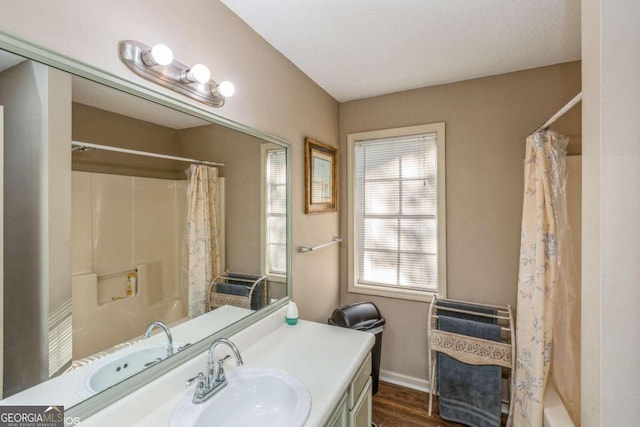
(275, 197)
(396, 206)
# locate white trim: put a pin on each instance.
(352, 138)
(413, 383)
(263, 207)
(222, 214)
(409, 294)
(277, 278)
(264, 262)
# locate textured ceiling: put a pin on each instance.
(361, 48)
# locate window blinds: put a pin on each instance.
(60, 338)
(396, 212)
(276, 189)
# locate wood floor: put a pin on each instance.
(396, 406)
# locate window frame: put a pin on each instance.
(389, 291)
(264, 238)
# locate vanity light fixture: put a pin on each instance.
(157, 64)
(197, 74)
(159, 54)
(226, 88)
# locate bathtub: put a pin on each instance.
(554, 413)
(99, 326)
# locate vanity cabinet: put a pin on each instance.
(354, 409)
(340, 417)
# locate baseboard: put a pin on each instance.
(414, 383)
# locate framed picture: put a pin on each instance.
(321, 177)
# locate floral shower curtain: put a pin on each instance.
(545, 291)
(201, 261)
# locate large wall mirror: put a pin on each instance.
(102, 237)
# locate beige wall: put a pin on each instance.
(240, 154)
(102, 127)
(272, 94)
(487, 121)
(610, 209)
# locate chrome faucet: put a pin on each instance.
(215, 380)
(166, 330)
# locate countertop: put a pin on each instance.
(325, 358)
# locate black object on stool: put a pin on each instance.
(363, 316)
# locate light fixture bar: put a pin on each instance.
(170, 75)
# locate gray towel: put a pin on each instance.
(469, 394)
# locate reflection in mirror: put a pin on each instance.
(98, 244)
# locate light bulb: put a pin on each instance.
(226, 89)
(159, 54)
(198, 73)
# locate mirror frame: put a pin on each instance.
(31, 51)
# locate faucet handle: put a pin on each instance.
(200, 378)
(220, 375)
(201, 387)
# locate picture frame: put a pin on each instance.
(321, 177)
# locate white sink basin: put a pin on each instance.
(253, 397)
(119, 366)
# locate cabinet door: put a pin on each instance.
(340, 416)
(360, 415)
(360, 381)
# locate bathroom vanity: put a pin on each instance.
(334, 364)
(355, 406)
(79, 383)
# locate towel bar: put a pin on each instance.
(304, 249)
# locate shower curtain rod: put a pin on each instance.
(77, 145)
(561, 112)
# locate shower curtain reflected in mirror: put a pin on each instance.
(548, 309)
(201, 249)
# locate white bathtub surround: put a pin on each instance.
(125, 317)
(120, 224)
(324, 357)
(555, 413)
(69, 388)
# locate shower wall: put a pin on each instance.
(121, 223)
